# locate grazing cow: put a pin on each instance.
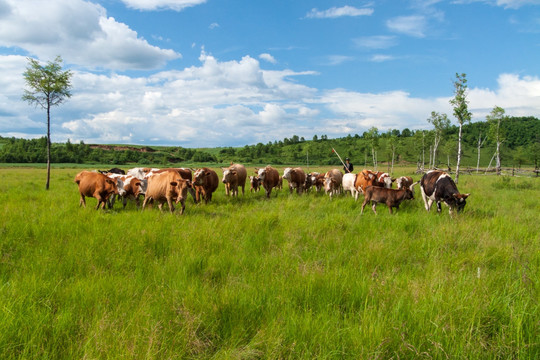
(94, 184)
(390, 197)
(296, 178)
(404, 182)
(255, 183)
(269, 178)
(349, 181)
(205, 182)
(309, 182)
(233, 177)
(113, 171)
(184, 173)
(332, 182)
(167, 186)
(438, 186)
(129, 187)
(364, 179)
(383, 180)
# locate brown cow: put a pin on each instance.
(332, 182)
(167, 186)
(94, 184)
(390, 197)
(205, 182)
(317, 180)
(269, 178)
(296, 178)
(185, 174)
(233, 177)
(255, 183)
(364, 179)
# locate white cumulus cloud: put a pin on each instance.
(414, 25)
(81, 32)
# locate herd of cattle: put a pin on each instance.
(172, 185)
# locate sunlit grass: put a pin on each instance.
(290, 277)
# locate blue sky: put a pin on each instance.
(200, 73)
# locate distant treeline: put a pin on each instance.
(521, 147)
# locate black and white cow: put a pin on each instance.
(437, 186)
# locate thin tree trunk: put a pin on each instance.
(458, 153)
(498, 158)
(393, 153)
(48, 146)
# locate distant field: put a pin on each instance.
(296, 277)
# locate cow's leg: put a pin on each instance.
(427, 201)
(82, 202)
(124, 201)
(171, 205)
(374, 207)
(145, 201)
(183, 203)
(363, 206)
(390, 208)
(243, 190)
(439, 209)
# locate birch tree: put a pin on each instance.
(440, 123)
(461, 112)
(495, 117)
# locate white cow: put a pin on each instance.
(349, 180)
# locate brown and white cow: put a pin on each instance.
(390, 197)
(437, 186)
(364, 179)
(296, 179)
(269, 178)
(205, 182)
(233, 177)
(317, 180)
(332, 182)
(404, 182)
(129, 187)
(97, 185)
(384, 180)
(167, 186)
(255, 183)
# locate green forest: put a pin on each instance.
(521, 147)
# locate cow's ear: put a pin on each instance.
(137, 184)
(111, 182)
(173, 183)
(464, 196)
(233, 172)
(207, 173)
(393, 179)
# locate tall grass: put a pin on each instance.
(250, 278)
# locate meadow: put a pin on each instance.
(292, 277)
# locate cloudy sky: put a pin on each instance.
(198, 73)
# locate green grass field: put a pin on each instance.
(293, 277)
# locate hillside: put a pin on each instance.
(521, 147)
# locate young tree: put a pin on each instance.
(479, 146)
(373, 138)
(461, 112)
(47, 86)
(440, 123)
(494, 119)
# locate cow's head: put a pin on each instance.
(329, 184)
(460, 201)
(261, 173)
(228, 175)
(287, 174)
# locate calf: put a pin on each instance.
(437, 186)
(205, 182)
(349, 181)
(94, 184)
(332, 182)
(255, 183)
(233, 177)
(296, 178)
(269, 178)
(390, 197)
(167, 186)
